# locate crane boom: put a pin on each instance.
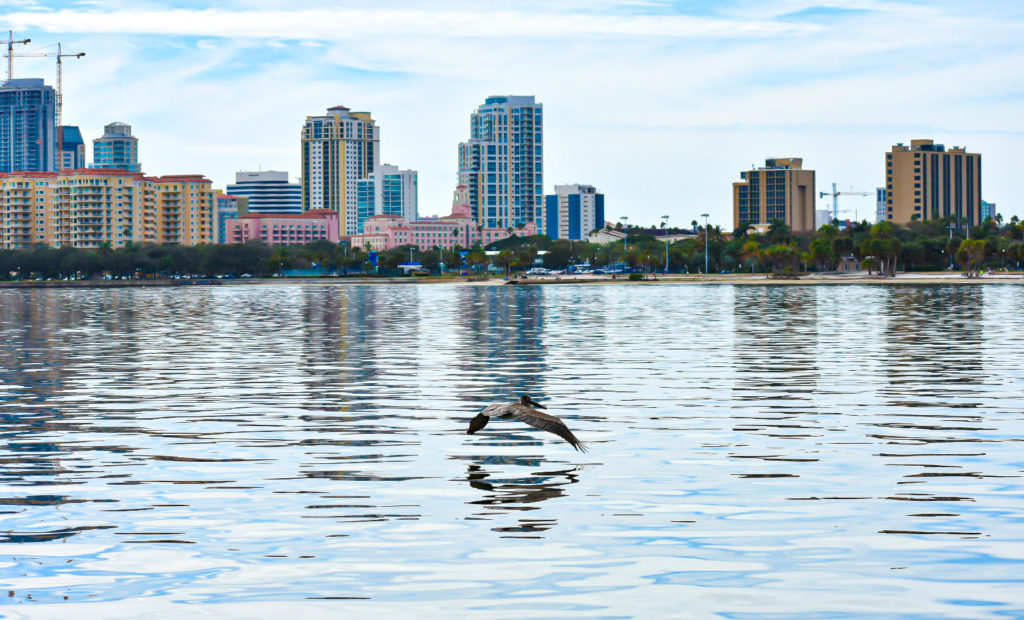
(59, 103)
(10, 52)
(835, 194)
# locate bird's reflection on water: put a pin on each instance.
(504, 490)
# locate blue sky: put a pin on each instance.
(658, 104)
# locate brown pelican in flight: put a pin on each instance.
(524, 411)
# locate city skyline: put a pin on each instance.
(640, 98)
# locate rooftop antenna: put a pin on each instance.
(10, 52)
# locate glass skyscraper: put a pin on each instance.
(388, 191)
(116, 149)
(502, 163)
(28, 139)
(72, 156)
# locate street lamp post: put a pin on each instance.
(665, 219)
(625, 240)
(950, 227)
(705, 216)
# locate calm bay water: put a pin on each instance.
(756, 452)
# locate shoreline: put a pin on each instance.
(714, 279)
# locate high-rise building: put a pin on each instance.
(573, 211)
(881, 204)
(184, 209)
(988, 209)
(28, 139)
(924, 181)
(502, 163)
(117, 149)
(267, 191)
(338, 149)
(388, 191)
(88, 208)
(225, 207)
(72, 152)
(781, 190)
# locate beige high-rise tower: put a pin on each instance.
(924, 181)
(781, 190)
(338, 149)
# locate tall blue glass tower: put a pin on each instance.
(28, 133)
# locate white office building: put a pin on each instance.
(267, 191)
(573, 211)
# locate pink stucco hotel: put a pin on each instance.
(384, 232)
(284, 228)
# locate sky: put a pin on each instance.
(659, 104)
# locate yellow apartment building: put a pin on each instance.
(27, 209)
(781, 190)
(927, 182)
(184, 209)
(338, 149)
(88, 208)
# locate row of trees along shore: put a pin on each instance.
(884, 248)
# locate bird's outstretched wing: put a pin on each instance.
(547, 423)
(477, 423)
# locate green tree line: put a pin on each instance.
(883, 247)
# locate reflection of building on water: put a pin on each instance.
(775, 342)
(504, 493)
(327, 345)
(501, 339)
(934, 334)
(52, 344)
(354, 338)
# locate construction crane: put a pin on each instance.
(835, 194)
(10, 52)
(59, 104)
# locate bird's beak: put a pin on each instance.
(536, 404)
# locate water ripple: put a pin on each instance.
(756, 452)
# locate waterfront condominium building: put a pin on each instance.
(267, 191)
(927, 182)
(881, 203)
(72, 150)
(28, 139)
(116, 149)
(781, 190)
(573, 211)
(184, 209)
(26, 208)
(88, 208)
(338, 149)
(388, 191)
(502, 163)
